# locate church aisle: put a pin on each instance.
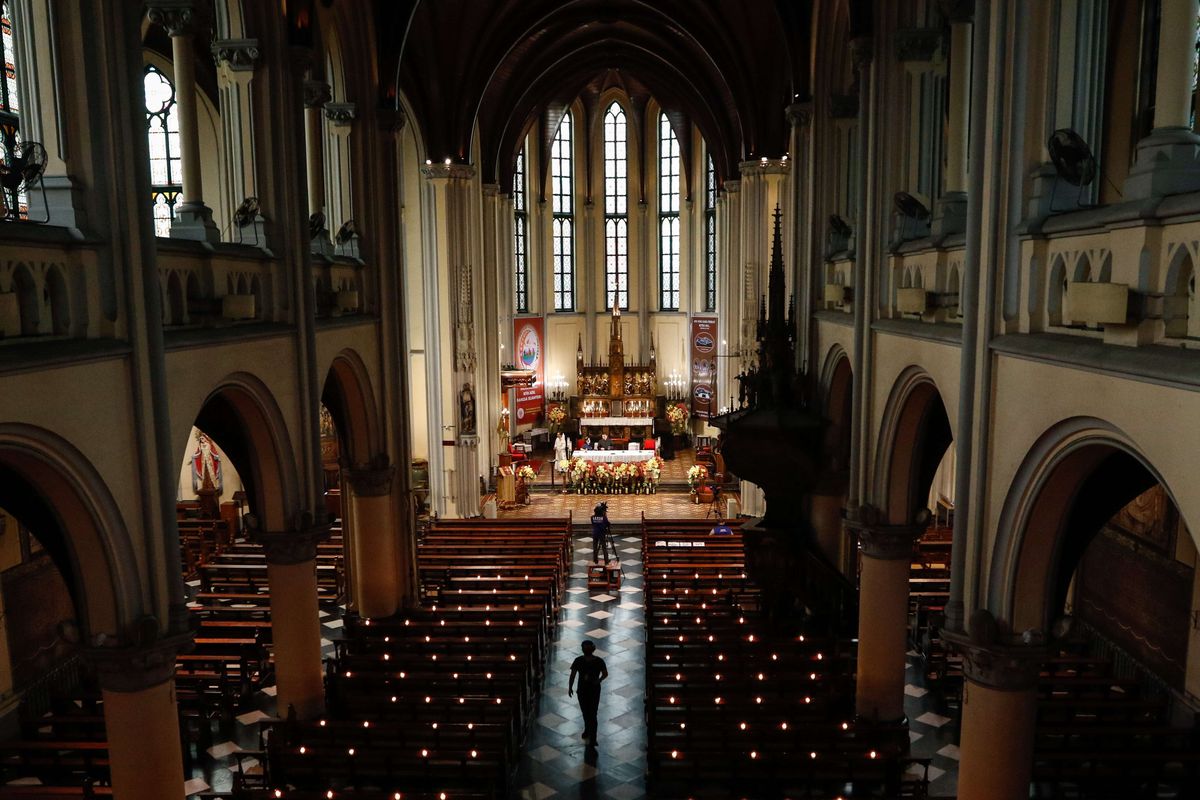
(555, 762)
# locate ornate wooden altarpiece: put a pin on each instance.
(618, 391)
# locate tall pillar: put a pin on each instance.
(376, 584)
(1167, 159)
(825, 516)
(453, 258)
(141, 718)
(316, 95)
(236, 60)
(999, 712)
(950, 216)
(295, 619)
(193, 219)
(883, 611)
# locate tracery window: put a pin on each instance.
(563, 223)
(616, 209)
(10, 107)
(668, 215)
(710, 236)
(162, 131)
(520, 237)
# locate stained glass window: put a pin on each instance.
(162, 126)
(520, 236)
(10, 107)
(563, 224)
(710, 237)
(616, 207)
(668, 215)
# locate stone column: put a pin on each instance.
(883, 616)
(800, 117)
(316, 95)
(999, 711)
(374, 532)
(141, 718)
(951, 214)
(295, 620)
(193, 219)
(236, 60)
(340, 119)
(1167, 161)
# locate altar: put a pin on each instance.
(614, 456)
(606, 422)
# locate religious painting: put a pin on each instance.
(1146, 518)
(528, 346)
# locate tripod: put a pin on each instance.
(609, 545)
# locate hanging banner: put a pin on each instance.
(704, 366)
(528, 352)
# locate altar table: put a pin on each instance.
(614, 456)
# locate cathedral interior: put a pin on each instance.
(824, 364)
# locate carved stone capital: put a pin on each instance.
(996, 661)
(799, 115)
(316, 94)
(958, 10)
(843, 106)
(882, 540)
(341, 115)
(862, 51)
(390, 120)
(133, 669)
(764, 166)
(236, 55)
(285, 548)
(731, 186)
(177, 17)
(451, 170)
(372, 480)
(921, 45)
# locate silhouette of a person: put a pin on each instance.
(592, 672)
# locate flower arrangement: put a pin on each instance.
(525, 473)
(556, 417)
(586, 477)
(677, 415)
(696, 476)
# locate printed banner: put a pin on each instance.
(528, 350)
(704, 366)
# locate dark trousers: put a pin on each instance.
(600, 547)
(589, 703)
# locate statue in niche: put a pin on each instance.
(629, 378)
(466, 410)
(602, 383)
(206, 466)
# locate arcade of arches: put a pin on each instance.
(325, 324)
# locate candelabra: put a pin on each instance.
(558, 389)
(676, 386)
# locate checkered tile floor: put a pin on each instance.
(555, 762)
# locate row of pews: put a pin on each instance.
(435, 700)
(928, 594)
(736, 708)
(1101, 734)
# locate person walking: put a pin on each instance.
(600, 531)
(592, 672)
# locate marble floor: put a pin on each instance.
(932, 729)
(621, 507)
(555, 762)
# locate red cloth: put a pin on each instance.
(648, 444)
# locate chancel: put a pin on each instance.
(825, 364)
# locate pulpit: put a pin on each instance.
(506, 486)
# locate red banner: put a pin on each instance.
(528, 353)
(704, 366)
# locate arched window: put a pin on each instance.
(668, 215)
(520, 237)
(14, 201)
(162, 127)
(710, 237)
(563, 226)
(616, 209)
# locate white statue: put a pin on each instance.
(560, 451)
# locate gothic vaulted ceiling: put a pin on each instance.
(729, 66)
